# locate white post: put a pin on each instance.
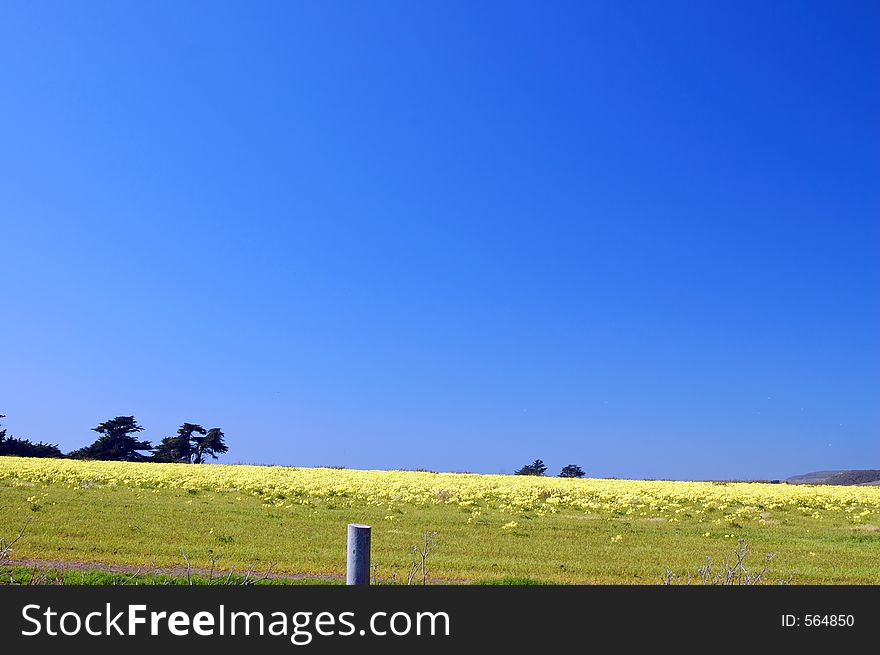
(357, 571)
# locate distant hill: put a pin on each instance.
(854, 477)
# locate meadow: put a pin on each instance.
(489, 528)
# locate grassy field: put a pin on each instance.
(489, 528)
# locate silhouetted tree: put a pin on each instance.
(170, 449)
(25, 447)
(116, 442)
(178, 448)
(211, 444)
(192, 445)
(535, 468)
(572, 471)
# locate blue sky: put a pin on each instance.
(640, 237)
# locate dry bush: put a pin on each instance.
(728, 572)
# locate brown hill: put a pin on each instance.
(851, 477)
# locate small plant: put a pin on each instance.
(729, 572)
(7, 544)
(245, 578)
(419, 558)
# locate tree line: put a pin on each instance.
(539, 468)
(192, 444)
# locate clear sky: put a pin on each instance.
(642, 237)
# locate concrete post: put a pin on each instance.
(357, 571)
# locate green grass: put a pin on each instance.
(148, 528)
(66, 576)
(512, 581)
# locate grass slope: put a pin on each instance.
(148, 528)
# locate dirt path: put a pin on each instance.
(258, 572)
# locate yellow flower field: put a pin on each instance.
(284, 486)
(597, 530)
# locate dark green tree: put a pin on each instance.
(170, 449)
(535, 468)
(211, 444)
(116, 442)
(178, 448)
(25, 447)
(572, 471)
